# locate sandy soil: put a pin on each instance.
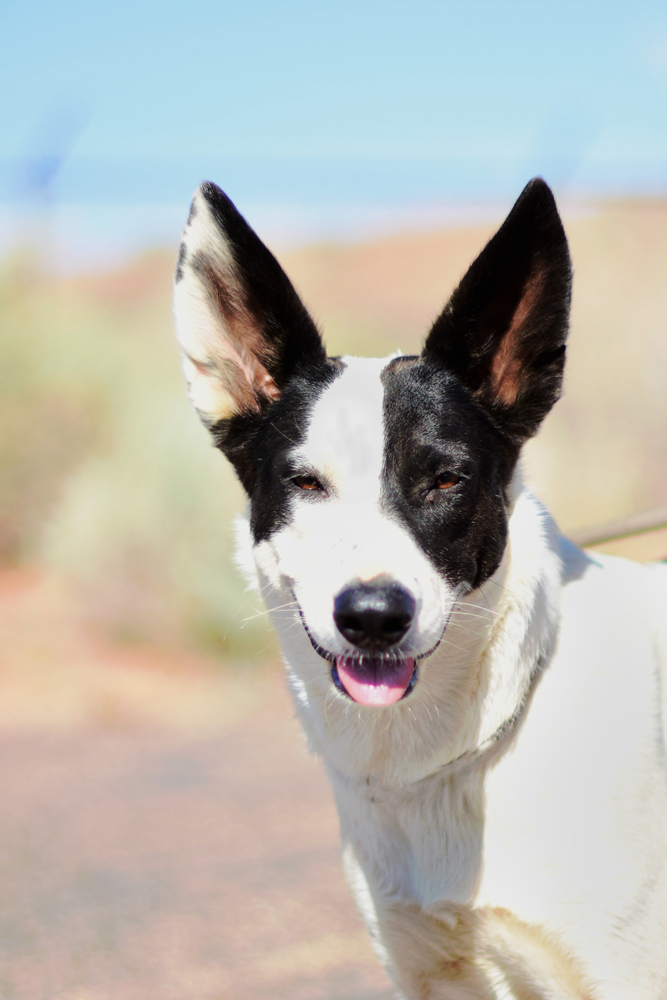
(149, 853)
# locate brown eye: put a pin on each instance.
(446, 480)
(306, 483)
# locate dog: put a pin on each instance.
(487, 698)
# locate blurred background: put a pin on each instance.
(374, 146)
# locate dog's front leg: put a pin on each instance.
(459, 953)
(433, 957)
(451, 951)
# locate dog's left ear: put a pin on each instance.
(242, 328)
(503, 331)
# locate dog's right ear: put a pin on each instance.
(242, 328)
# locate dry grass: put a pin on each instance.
(107, 478)
(57, 673)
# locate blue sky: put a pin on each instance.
(323, 106)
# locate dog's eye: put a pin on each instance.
(307, 483)
(446, 480)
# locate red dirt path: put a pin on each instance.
(147, 860)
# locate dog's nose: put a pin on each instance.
(374, 615)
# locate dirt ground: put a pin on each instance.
(163, 835)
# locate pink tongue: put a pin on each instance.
(387, 688)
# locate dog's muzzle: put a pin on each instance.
(374, 617)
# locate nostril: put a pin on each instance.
(395, 626)
(374, 615)
(350, 624)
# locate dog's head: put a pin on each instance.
(378, 489)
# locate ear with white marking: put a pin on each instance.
(503, 331)
(242, 328)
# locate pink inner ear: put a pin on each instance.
(267, 385)
(246, 377)
(508, 362)
(244, 382)
(239, 368)
(237, 343)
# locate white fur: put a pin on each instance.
(512, 811)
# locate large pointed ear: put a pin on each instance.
(242, 328)
(503, 331)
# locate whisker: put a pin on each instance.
(329, 700)
(448, 642)
(286, 436)
(269, 611)
(501, 586)
(238, 611)
(469, 614)
(478, 607)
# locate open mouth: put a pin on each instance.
(379, 680)
(375, 681)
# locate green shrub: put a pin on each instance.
(105, 473)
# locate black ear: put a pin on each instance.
(242, 327)
(503, 331)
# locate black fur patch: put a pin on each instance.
(182, 254)
(503, 331)
(258, 445)
(433, 427)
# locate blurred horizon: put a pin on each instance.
(322, 122)
(374, 146)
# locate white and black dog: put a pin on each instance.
(487, 698)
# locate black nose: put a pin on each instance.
(374, 615)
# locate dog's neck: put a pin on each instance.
(482, 756)
(523, 633)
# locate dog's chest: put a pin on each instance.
(422, 845)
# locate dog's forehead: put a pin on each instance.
(345, 436)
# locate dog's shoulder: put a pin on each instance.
(612, 628)
(591, 752)
(594, 580)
